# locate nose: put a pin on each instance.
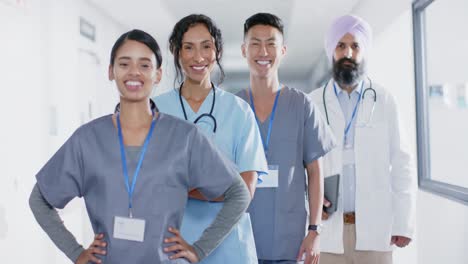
(349, 53)
(263, 50)
(197, 56)
(134, 70)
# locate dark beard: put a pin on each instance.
(346, 74)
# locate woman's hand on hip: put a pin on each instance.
(97, 247)
(181, 248)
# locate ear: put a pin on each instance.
(284, 50)
(111, 72)
(243, 50)
(220, 54)
(158, 76)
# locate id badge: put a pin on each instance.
(270, 180)
(129, 228)
(348, 156)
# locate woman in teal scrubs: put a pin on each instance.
(196, 44)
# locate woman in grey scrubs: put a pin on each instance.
(134, 170)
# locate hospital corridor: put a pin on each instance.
(243, 132)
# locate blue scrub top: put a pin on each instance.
(299, 136)
(237, 134)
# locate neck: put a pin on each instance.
(196, 91)
(264, 87)
(348, 88)
(135, 114)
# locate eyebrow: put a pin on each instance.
(203, 42)
(341, 42)
(128, 58)
(257, 39)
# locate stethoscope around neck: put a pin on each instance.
(363, 94)
(209, 115)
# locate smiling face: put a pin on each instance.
(197, 54)
(264, 49)
(134, 71)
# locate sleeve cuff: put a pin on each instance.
(73, 256)
(201, 255)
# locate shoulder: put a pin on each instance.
(316, 94)
(95, 124)
(233, 103)
(165, 97)
(177, 130)
(242, 94)
(382, 94)
(299, 98)
(92, 130)
(295, 94)
(174, 125)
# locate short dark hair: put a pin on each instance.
(175, 40)
(266, 19)
(142, 37)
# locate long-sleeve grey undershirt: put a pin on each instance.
(236, 201)
(49, 219)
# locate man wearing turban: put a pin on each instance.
(376, 200)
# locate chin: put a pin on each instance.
(135, 97)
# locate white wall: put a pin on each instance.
(21, 132)
(442, 235)
(391, 65)
(40, 54)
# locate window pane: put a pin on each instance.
(447, 78)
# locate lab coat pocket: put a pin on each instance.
(372, 155)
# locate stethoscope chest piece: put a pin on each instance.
(209, 115)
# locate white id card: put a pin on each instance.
(270, 180)
(348, 156)
(129, 228)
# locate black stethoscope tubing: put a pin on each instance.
(363, 95)
(210, 115)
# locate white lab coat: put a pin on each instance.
(385, 173)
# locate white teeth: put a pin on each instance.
(263, 62)
(198, 68)
(133, 83)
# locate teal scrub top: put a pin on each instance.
(237, 134)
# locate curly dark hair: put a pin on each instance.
(175, 41)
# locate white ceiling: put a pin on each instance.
(305, 23)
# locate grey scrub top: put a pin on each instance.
(299, 136)
(178, 158)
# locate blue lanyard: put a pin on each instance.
(124, 160)
(348, 127)
(272, 117)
